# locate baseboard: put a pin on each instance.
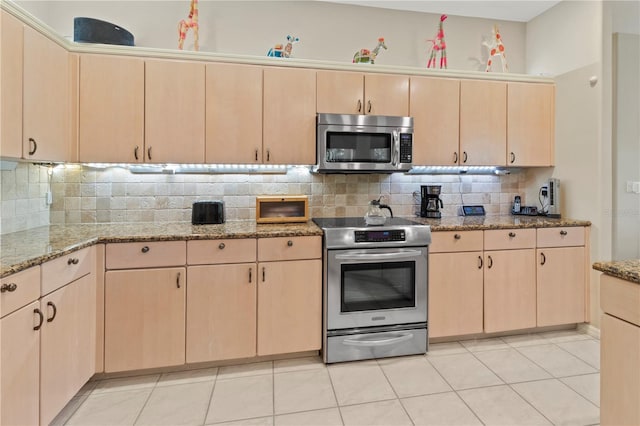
(589, 329)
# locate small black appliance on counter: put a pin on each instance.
(207, 212)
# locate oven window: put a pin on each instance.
(375, 286)
(347, 147)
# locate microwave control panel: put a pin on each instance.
(406, 147)
(379, 236)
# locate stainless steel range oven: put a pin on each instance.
(375, 286)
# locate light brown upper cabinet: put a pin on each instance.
(434, 104)
(174, 112)
(289, 111)
(11, 40)
(233, 114)
(530, 124)
(46, 93)
(111, 109)
(483, 123)
(343, 92)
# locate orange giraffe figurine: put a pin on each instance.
(438, 45)
(496, 48)
(191, 23)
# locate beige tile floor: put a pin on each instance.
(534, 379)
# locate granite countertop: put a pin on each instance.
(625, 269)
(21, 250)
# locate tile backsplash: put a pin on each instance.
(83, 195)
(23, 198)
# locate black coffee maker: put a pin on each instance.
(431, 203)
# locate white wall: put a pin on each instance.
(327, 31)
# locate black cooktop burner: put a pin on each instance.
(358, 222)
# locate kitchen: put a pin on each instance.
(146, 198)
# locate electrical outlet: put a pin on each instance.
(544, 191)
(49, 198)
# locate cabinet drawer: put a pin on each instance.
(289, 248)
(19, 289)
(62, 271)
(146, 254)
(211, 252)
(561, 237)
(506, 239)
(620, 298)
(452, 241)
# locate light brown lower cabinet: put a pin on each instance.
(221, 314)
(144, 318)
(509, 290)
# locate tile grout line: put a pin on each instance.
(213, 388)
(335, 396)
(577, 356)
(394, 392)
(146, 401)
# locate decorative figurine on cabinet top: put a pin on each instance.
(278, 51)
(496, 48)
(438, 45)
(191, 23)
(366, 56)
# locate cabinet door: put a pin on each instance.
(111, 109)
(530, 125)
(67, 359)
(435, 107)
(340, 92)
(174, 112)
(289, 306)
(386, 94)
(144, 319)
(11, 40)
(509, 290)
(221, 314)
(19, 364)
(455, 294)
(561, 286)
(289, 128)
(483, 123)
(46, 99)
(233, 114)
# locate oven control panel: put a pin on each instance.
(380, 236)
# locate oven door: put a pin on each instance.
(376, 287)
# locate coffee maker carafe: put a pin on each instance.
(431, 203)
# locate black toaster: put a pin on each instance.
(207, 212)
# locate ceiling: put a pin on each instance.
(513, 10)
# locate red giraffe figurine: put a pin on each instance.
(191, 23)
(438, 45)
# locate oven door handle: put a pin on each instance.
(391, 339)
(380, 256)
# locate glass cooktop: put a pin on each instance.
(358, 222)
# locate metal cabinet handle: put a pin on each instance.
(135, 152)
(480, 262)
(55, 311)
(149, 153)
(33, 142)
(268, 155)
(221, 246)
(512, 234)
(145, 249)
(250, 275)
(263, 274)
(359, 105)
(464, 156)
(513, 158)
(73, 261)
(39, 312)
(256, 154)
(289, 243)
(455, 158)
(543, 258)
(368, 106)
(178, 280)
(563, 232)
(11, 287)
(457, 236)
(490, 262)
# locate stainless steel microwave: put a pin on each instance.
(364, 143)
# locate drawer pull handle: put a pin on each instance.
(135, 152)
(512, 234)
(490, 262)
(33, 142)
(457, 236)
(39, 312)
(55, 311)
(455, 158)
(149, 153)
(543, 258)
(268, 155)
(73, 261)
(480, 262)
(8, 287)
(178, 280)
(263, 274)
(256, 154)
(221, 246)
(290, 243)
(250, 275)
(464, 156)
(563, 232)
(513, 158)
(145, 249)
(368, 106)
(359, 105)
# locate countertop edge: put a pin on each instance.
(628, 270)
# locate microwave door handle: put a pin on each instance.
(395, 154)
(397, 338)
(380, 256)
